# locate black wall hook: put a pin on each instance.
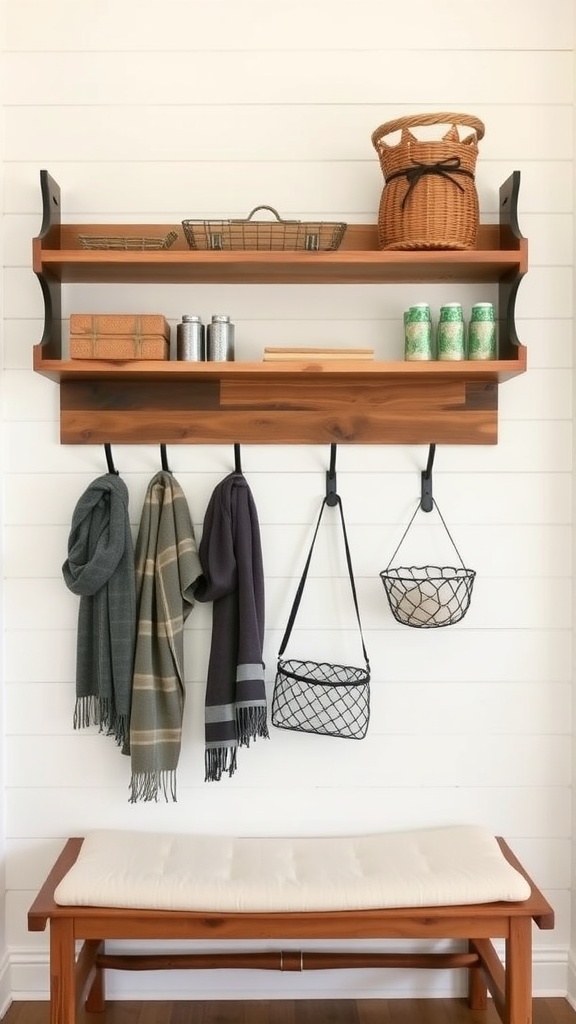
(426, 499)
(331, 492)
(110, 460)
(237, 459)
(164, 459)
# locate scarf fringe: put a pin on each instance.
(86, 712)
(147, 786)
(218, 761)
(251, 722)
(122, 733)
(97, 711)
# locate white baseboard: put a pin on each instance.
(571, 981)
(5, 990)
(29, 980)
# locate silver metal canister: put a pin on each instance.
(220, 345)
(190, 338)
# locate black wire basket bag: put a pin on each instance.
(322, 697)
(428, 596)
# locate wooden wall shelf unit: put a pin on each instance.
(140, 402)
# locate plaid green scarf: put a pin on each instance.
(167, 565)
(100, 569)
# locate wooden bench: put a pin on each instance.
(77, 979)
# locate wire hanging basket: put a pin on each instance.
(428, 596)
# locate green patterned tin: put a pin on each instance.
(418, 332)
(482, 332)
(450, 338)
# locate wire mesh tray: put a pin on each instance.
(123, 242)
(279, 235)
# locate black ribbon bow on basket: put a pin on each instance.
(445, 168)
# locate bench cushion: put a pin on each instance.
(446, 866)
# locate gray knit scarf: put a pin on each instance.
(167, 565)
(100, 569)
(233, 578)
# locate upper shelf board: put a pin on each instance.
(59, 255)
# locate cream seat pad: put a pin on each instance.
(421, 868)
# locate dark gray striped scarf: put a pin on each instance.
(100, 569)
(167, 565)
(233, 578)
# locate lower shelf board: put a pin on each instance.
(496, 371)
(279, 411)
(343, 402)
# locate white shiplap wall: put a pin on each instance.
(154, 111)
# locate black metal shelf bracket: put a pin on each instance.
(51, 289)
(508, 286)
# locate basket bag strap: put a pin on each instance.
(301, 585)
(403, 537)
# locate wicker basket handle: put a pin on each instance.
(425, 119)
(272, 210)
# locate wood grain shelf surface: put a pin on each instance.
(495, 371)
(358, 260)
(305, 402)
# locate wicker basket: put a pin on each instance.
(312, 236)
(429, 200)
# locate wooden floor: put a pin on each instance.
(301, 1011)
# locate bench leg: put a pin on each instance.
(90, 977)
(519, 971)
(96, 998)
(477, 987)
(62, 972)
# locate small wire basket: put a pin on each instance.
(428, 596)
(128, 242)
(278, 235)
